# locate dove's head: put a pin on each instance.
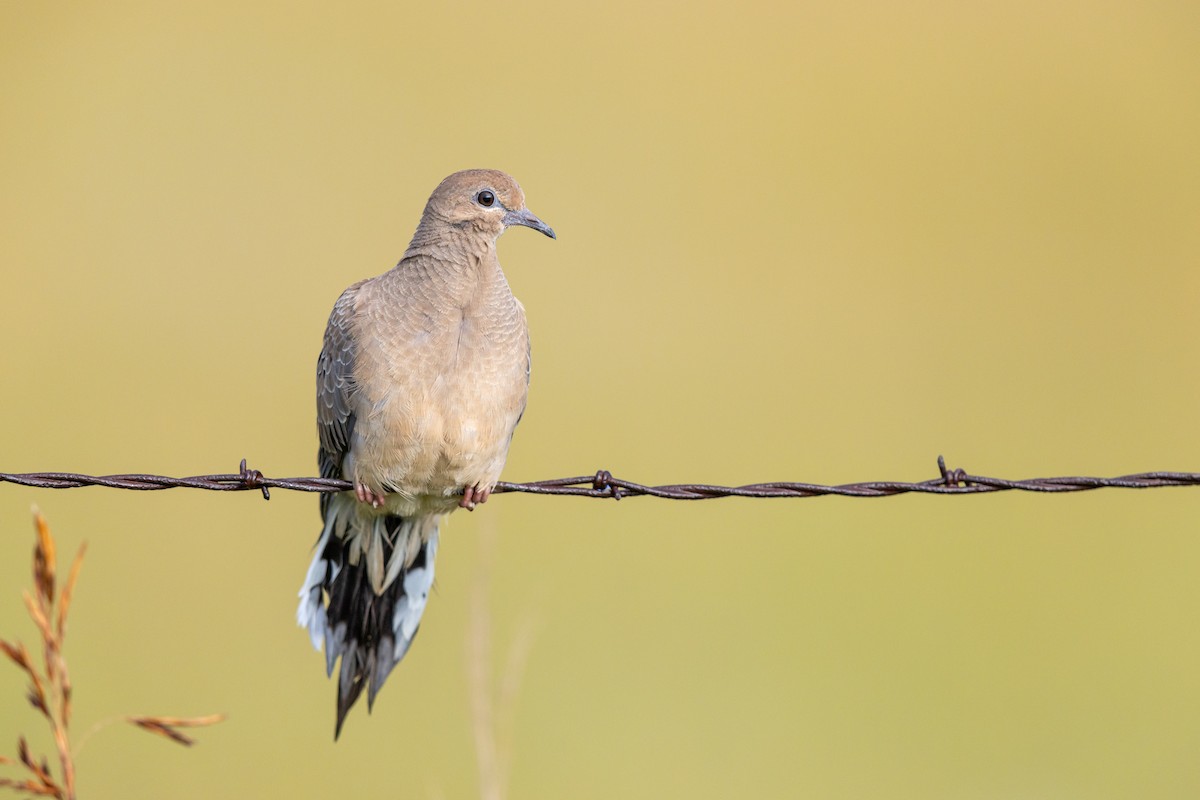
(484, 200)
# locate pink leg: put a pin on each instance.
(474, 495)
(365, 495)
(468, 498)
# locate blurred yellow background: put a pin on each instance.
(796, 242)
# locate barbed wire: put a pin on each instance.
(604, 484)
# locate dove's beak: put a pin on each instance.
(525, 217)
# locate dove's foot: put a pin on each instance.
(365, 495)
(473, 495)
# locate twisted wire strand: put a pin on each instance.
(604, 484)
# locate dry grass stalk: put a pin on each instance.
(167, 726)
(492, 716)
(49, 689)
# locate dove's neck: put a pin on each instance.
(458, 265)
(458, 245)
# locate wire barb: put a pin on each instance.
(603, 484)
(954, 477)
(253, 479)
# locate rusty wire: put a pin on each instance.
(604, 484)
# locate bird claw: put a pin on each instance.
(472, 496)
(366, 495)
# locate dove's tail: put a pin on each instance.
(365, 592)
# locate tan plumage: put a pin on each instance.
(421, 381)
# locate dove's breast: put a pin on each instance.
(455, 385)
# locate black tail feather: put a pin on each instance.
(360, 626)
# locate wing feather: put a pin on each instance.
(335, 388)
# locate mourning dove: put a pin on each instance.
(421, 381)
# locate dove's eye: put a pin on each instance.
(485, 198)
